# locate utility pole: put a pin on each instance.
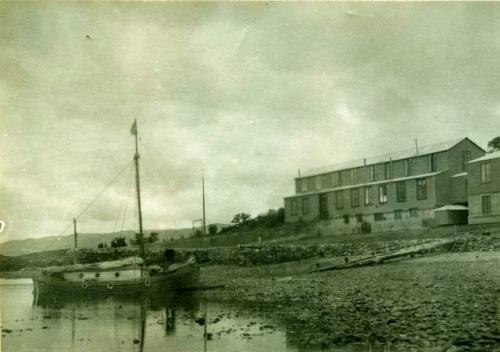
(203, 191)
(75, 236)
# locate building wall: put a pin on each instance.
(442, 189)
(337, 225)
(367, 211)
(474, 177)
(476, 215)
(456, 165)
(417, 165)
(458, 189)
(313, 213)
(476, 190)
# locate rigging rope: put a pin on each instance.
(58, 237)
(129, 187)
(123, 202)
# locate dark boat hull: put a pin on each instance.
(184, 277)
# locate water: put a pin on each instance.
(165, 322)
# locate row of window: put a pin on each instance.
(421, 184)
(336, 180)
(368, 197)
(398, 215)
(117, 274)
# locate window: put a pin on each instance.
(486, 204)
(355, 197)
(413, 213)
(382, 194)
(336, 179)
(432, 163)
(305, 206)
(407, 167)
(401, 191)
(304, 185)
(421, 189)
(368, 195)
(379, 216)
(346, 219)
(398, 214)
(354, 176)
(359, 218)
(387, 170)
(339, 199)
(485, 173)
(317, 180)
(465, 158)
(372, 173)
(294, 207)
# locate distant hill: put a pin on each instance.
(85, 240)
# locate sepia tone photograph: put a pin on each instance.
(249, 176)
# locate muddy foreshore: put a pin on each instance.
(444, 302)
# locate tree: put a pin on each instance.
(212, 229)
(241, 218)
(118, 242)
(153, 237)
(494, 144)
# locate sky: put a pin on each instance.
(247, 92)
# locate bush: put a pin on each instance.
(118, 242)
(212, 229)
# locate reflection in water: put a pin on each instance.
(135, 309)
(181, 322)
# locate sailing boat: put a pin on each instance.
(126, 276)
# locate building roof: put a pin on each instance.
(398, 155)
(366, 184)
(451, 207)
(488, 156)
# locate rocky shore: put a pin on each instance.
(444, 302)
(248, 255)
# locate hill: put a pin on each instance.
(85, 240)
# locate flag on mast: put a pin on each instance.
(133, 130)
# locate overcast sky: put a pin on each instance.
(250, 92)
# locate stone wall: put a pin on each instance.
(246, 255)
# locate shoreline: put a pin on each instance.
(441, 302)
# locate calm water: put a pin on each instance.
(162, 323)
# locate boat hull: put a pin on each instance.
(184, 277)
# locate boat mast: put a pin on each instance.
(75, 236)
(138, 188)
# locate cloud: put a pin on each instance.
(249, 92)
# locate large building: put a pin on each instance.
(390, 192)
(483, 176)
